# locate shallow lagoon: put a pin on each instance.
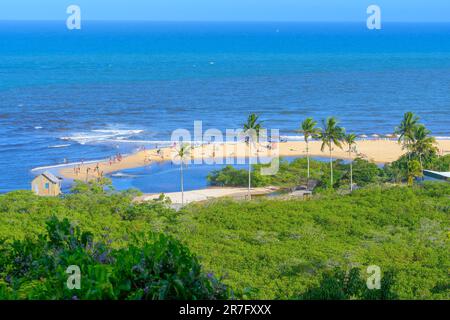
(164, 177)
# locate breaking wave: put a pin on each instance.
(101, 135)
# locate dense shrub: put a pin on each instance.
(294, 173)
(365, 172)
(398, 170)
(160, 269)
(262, 249)
(281, 248)
(340, 285)
(229, 177)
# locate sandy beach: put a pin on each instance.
(208, 194)
(379, 151)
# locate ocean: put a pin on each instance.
(68, 96)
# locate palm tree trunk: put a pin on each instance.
(307, 157)
(249, 170)
(331, 168)
(351, 170)
(421, 166)
(182, 182)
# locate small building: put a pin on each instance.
(435, 175)
(46, 184)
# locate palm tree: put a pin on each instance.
(406, 129)
(423, 144)
(251, 129)
(350, 140)
(331, 134)
(309, 130)
(414, 171)
(182, 152)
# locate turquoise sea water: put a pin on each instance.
(113, 87)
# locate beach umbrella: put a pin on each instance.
(376, 136)
(363, 136)
(391, 136)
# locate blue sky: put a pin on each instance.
(228, 10)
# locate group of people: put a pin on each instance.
(148, 157)
(117, 158)
(95, 171)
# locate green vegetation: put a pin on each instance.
(158, 269)
(420, 146)
(118, 245)
(265, 249)
(281, 248)
(342, 285)
(260, 249)
(402, 169)
(421, 152)
(294, 173)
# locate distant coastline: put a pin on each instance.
(378, 151)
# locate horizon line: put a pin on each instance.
(224, 21)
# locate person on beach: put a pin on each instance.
(87, 173)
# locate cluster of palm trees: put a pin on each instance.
(414, 137)
(331, 135)
(416, 140)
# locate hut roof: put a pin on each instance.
(50, 176)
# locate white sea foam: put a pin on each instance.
(160, 142)
(60, 146)
(38, 127)
(63, 165)
(101, 135)
(123, 175)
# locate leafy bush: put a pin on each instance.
(439, 163)
(282, 248)
(160, 269)
(398, 170)
(229, 177)
(294, 173)
(263, 249)
(341, 285)
(365, 172)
